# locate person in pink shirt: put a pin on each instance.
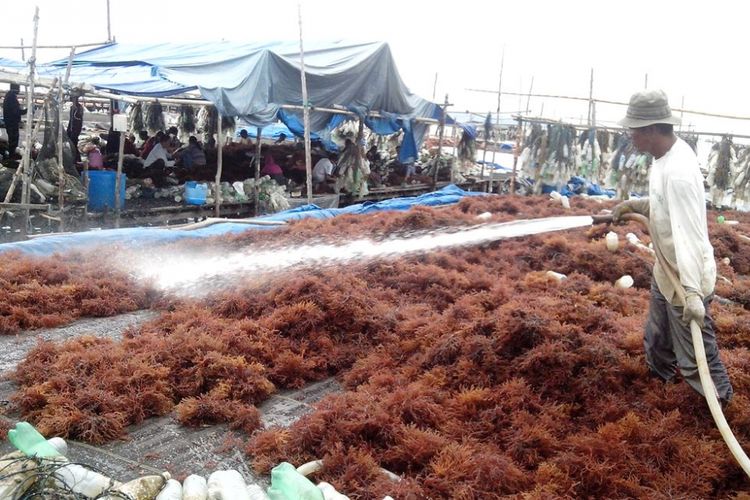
(273, 170)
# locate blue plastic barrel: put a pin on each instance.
(195, 194)
(102, 190)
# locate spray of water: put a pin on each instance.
(195, 275)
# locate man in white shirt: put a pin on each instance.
(676, 209)
(156, 163)
(322, 172)
(159, 156)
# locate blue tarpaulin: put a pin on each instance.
(140, 237)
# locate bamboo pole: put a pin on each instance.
(306, 110)
(516, 153)
(257, 173)
(219, 165)
(118, 178)
(109, 25)
(591, 95)
(23, 53)
(29, 119)
(60, 168)
(60, 165)
(22, 46)
(497, 116)
(440, 139)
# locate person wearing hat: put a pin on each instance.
(12, 113)
(676, 209)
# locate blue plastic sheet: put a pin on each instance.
(132, 238)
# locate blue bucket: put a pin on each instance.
(195, 194)
(102, 190)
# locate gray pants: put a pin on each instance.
(669, 345)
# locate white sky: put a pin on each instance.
(693, 50)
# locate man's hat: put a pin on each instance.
(648, 107)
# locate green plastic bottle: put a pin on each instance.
(288, 484)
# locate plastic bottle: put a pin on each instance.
(556, 276)
(612, 241)
(625, 281)
(288, 484)
(227, 485)
(84, 481)
(194, 487)
(256, 492)
(171, 491)
(330, 493)
(59, 444)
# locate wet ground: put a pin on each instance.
(161, 443)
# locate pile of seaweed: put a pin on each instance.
(469, 372)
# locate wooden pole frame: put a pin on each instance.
(256, 202)
(29, 122)
(306, 109)
(444, 112)
(219, 165)
(118, 178)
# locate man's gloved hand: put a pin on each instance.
(640, 206)
(694, 309)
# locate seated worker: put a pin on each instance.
(323, 173)
(150, 143)
(94, 154)
(174, 142)
(273, 170)
(193, 154)
(282, 138)
(156, 163)
(142, 139)
(244, 137)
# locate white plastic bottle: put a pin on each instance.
(194, 487)
(227, 485)
(171, 491)
(612, 241)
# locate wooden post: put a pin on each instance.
(118, 179)
(360, 157)
(440, 139)
(219, 164)
(306, 109)
(60, 168)
(257, 173)
(109, 26)
(591, 96)
(682, 112)
(29, 119)
(86, 187)
(516, 153)
(528, 98)
(497, 117)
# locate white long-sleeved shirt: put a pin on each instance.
(677, 213)
(158, 153)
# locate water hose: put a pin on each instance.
(707, 383)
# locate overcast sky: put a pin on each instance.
(692, 52)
